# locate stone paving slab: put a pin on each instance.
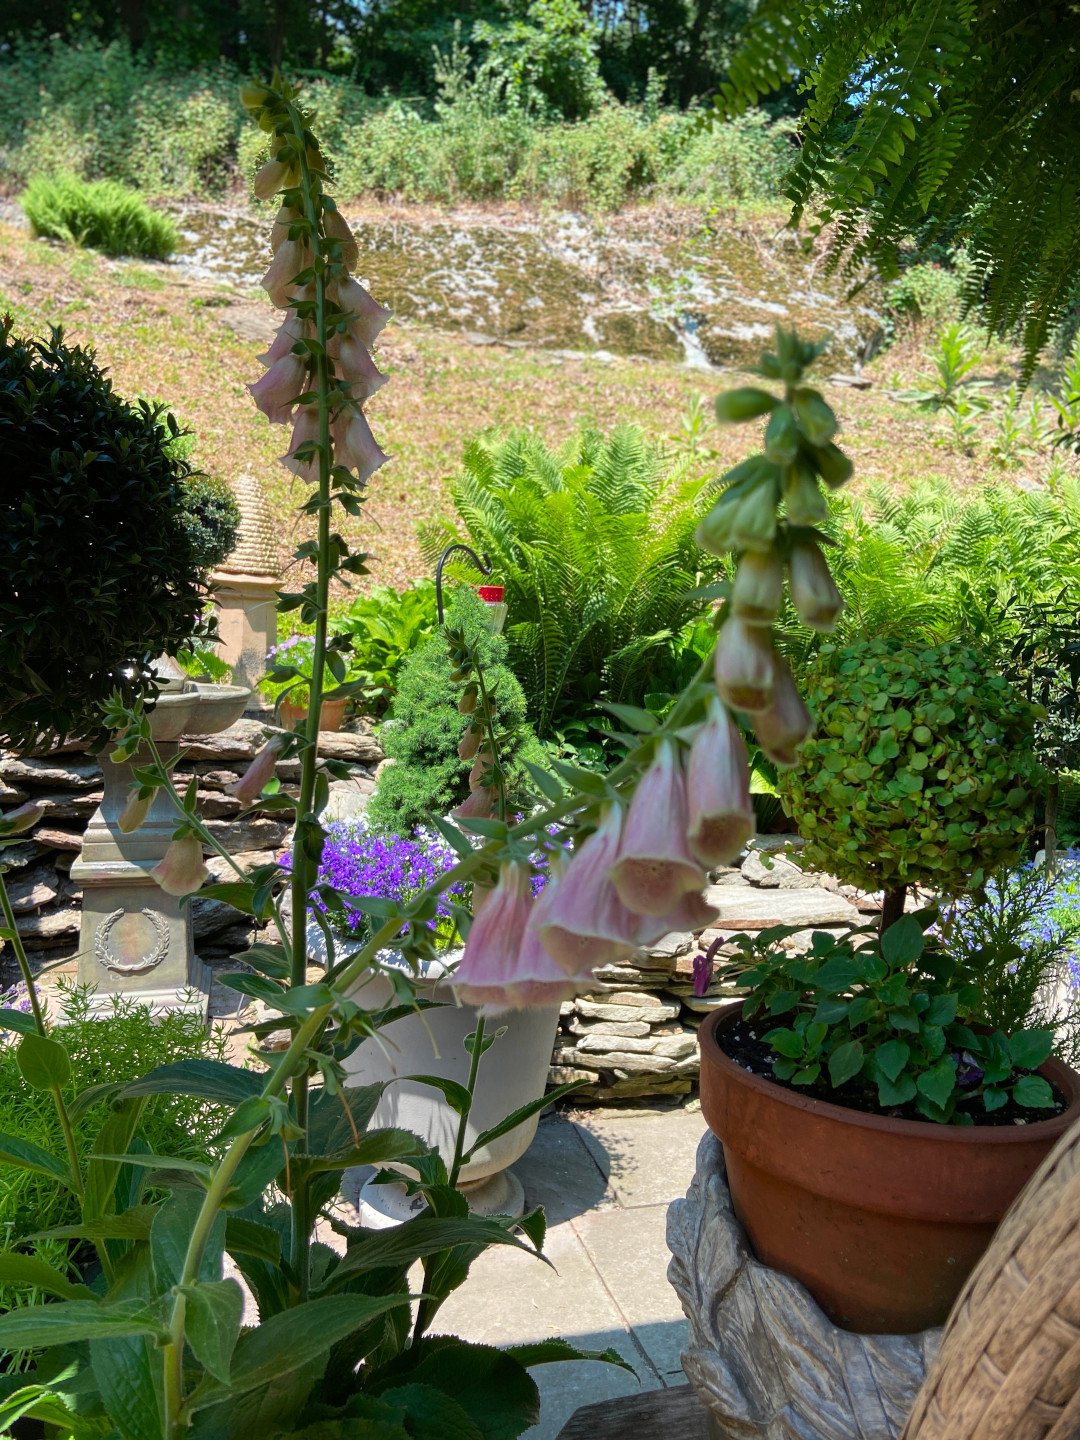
(747, 908)
(647, 1157)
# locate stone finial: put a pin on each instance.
(256, 547)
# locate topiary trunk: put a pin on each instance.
(892, 906)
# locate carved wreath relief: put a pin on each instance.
(130, 942)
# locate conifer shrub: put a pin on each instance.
(421, 737)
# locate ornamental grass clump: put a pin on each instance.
(100, 214)
(921, 770)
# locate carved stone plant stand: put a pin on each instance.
(762, 1355)
(136, 941)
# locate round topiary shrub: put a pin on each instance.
(104, 549)
(920, 771)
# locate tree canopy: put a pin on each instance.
(930, 116)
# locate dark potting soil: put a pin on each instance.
(742, 1043)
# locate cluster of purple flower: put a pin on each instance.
(18, 999)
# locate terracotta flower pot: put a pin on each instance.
(331, 714)
(882, 1220)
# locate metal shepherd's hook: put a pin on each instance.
(482, 563)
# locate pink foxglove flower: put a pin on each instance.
(284, 220)
(812, 588)
(536, 981)
(654, 866)
(745, 665)
(261, 770)
(305, 428)
(182, 871)
(292, 257)
(289, 333)
(275, 175)
(478, 806)
(787, 723)
(581, 920)
(275, 393)
(469, 743)
(758, 590)
(369, 317)
(496, 933)
(14, 822)
(692, 913)
(482, 763)
(134, 812)
(357, 368)
(337, 228)
(718, 789)
(354, 445)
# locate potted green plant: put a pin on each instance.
(876, 1126)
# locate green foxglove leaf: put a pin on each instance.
(16, 1269)
(69, 1321)
(205, 1079)
(212, 1323)
(28, 1156)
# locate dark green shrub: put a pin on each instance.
(99, 570)
(595, 548)
(921, 770)
(385, 626)
(421, 738)
(210, 517)
(101, 214)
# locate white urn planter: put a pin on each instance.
(513, 1071)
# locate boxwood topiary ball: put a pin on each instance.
(104, 554)
(921, 769)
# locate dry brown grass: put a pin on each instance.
(164, 337)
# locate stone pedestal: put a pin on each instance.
(247, 625)
(134, 941)
(761, 1354)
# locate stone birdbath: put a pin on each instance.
(135, 941)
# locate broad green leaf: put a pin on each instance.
(547, 1352)
(248, 1115)
(452, 835)
(36, 1402)
(642, 721)
(938, 1084)
(18, 1021)
(993, 1098)
(587, 782)
(161, 1162)
(248, 1237)
(212, 1323)
(28, 1156)
(124, 1371)
(133, 1224)
(845, 1062)
(1033, 1092)
(545, 782)
(785, 1042)
(299, 1335)
(521, 1114)
(903, 942)
(237, 893)
(69, 1321)
(169, 1238)
(1028, 1049)
(16, 1269)
(272, 960)
(205, 1079)
(457, 1097)
(942, 1009)
(43, 1063)
(375, 1148)
(891, 1058)
(900, 1093)
(114, 1137)
(433, 1415)
(425, 1235)
(259, 987)
(91, 1096)
(493, 1388)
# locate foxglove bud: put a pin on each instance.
(787, 723)
(744, 664)
(285, 219)
(14, 822)
(482, 763)
(653, 866)
(182, 871)
(803, 500)
(718, 790)
(753, 526)
(261, 770)
(134, 812)
(812, 588)
(469, 743)
(759, 588)
(467, 703)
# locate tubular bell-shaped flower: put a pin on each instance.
(581, 920)
(718, 790)
(291, 258)
(291, 330)
(305, 428)
(261, 770)
(354, 445)
(357, 368)
(182, 871)
(759, 588)
(495, 937)
(368, 316)
(276, 392)
(275, 175)
(337, 228)
(478, 805)
(744, 664)
(654, 866)
(783, 727)
(284, 220)
(813, 590)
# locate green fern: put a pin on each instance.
(595, 548)
(935, 111)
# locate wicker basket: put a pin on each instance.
(1009, 1363)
